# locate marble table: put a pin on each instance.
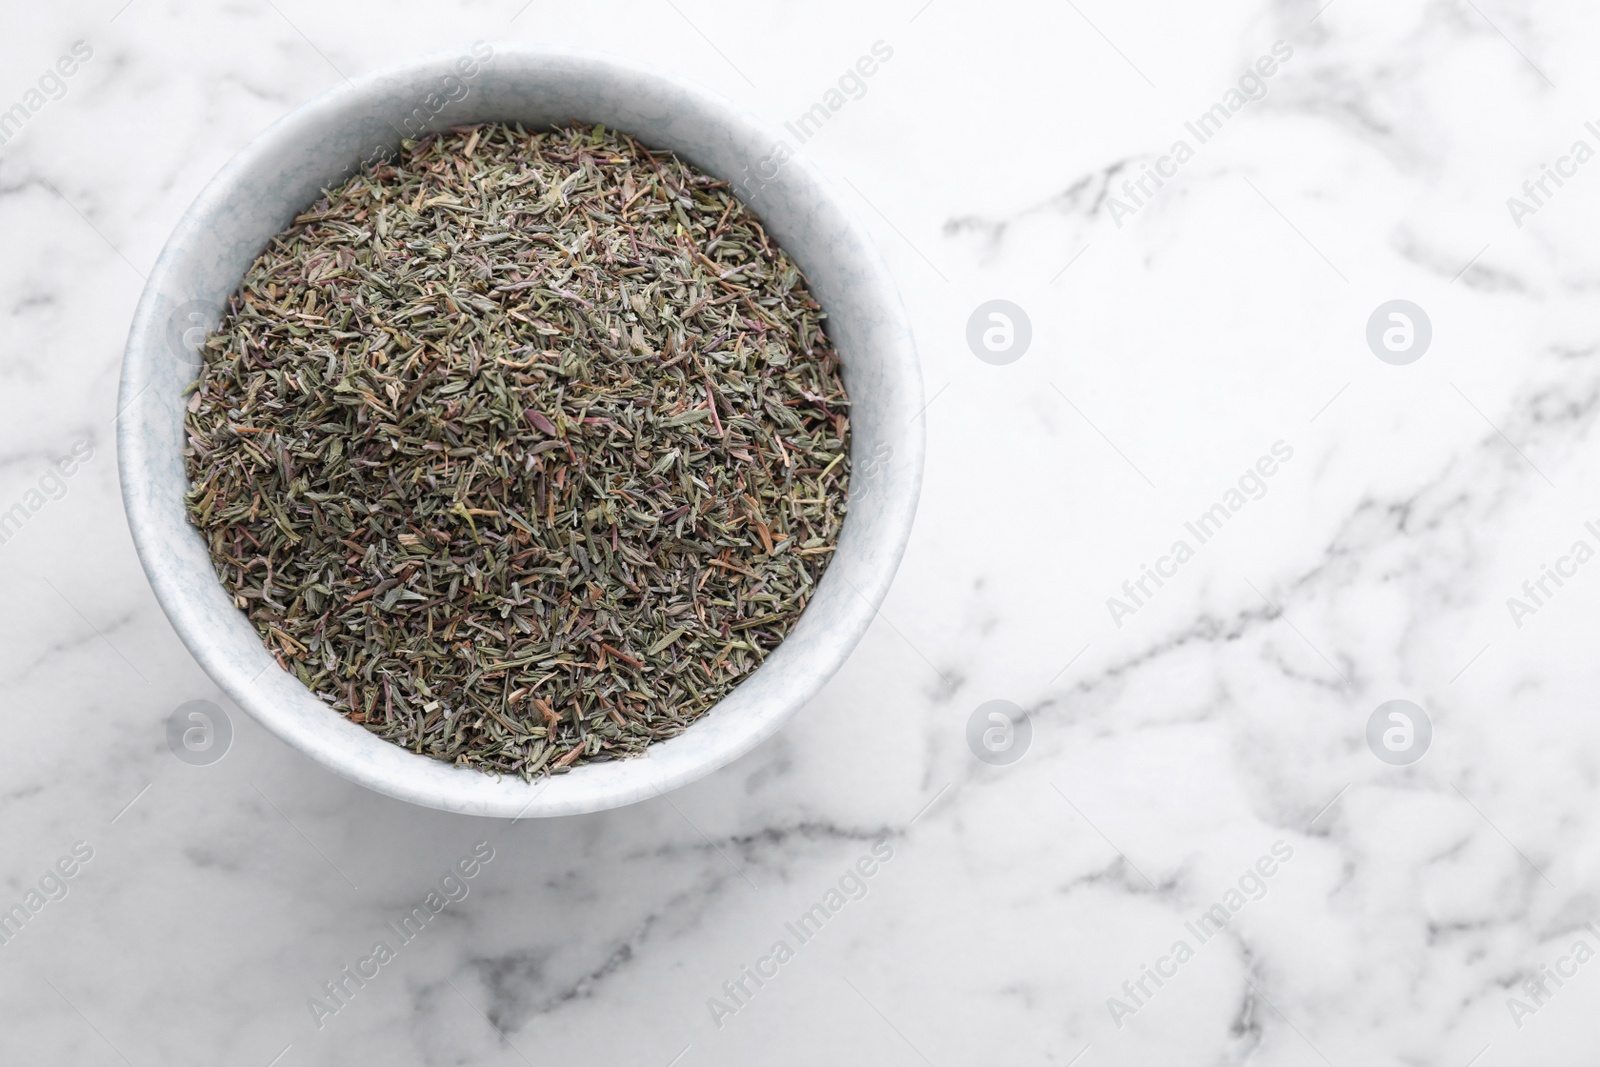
(1227, 504)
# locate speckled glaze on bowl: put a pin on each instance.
(281, 172)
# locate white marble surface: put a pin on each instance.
(1168, 754)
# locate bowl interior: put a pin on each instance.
(282, 171)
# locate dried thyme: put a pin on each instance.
(521, 449)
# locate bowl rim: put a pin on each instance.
(655, 772)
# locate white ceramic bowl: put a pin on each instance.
(281, 172)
